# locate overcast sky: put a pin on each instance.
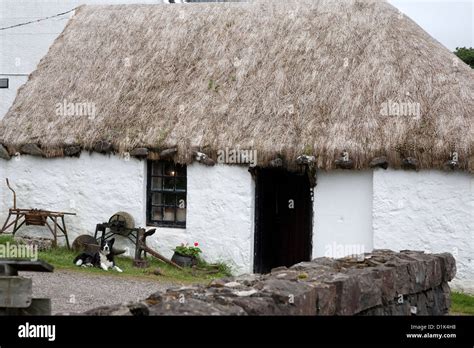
(448, 21)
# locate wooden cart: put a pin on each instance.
(54, 220)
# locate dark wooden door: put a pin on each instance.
(283, 219)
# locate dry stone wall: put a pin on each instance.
(380, 283)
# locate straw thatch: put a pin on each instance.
(285, 78)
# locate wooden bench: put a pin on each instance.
(16, 293)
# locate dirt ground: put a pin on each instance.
(75, 292)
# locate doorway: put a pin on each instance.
(283, 219)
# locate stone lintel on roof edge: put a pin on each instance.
(410, 163)
(342, 162)
(141, 152)
(379, 162)
(203, 158)
(104, 147)
(4, 153)
(168, 153)
(72, 150)
(32, 149)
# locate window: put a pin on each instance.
(166, 194)
(3, 83)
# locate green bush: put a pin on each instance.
(466, 55)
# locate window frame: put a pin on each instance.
(4, 83)
(150, 191)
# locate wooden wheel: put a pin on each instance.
(84, 242)
(121, 223)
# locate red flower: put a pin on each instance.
(196, 244)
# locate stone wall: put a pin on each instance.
(380, 283)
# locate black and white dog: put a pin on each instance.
(104, 258)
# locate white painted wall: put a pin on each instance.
(93, 186)
(219, 201)
(219, 216)
(21, 48)
(427, 210)
(342, 213)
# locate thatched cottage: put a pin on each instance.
(270, 132)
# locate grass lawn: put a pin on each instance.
(462, 304)
(61, 258)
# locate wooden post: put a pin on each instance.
(15, 292)
(65, 232)
(8, 270)
(55, 232)
(142, 247)
(17, 217)
(39, 306)
(4, 228)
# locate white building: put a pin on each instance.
(315, 91)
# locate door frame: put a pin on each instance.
(258, 234)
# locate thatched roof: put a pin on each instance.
(282, 77)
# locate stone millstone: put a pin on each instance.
(85, 242)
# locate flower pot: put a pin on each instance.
(184, 261)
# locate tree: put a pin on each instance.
(466, 55)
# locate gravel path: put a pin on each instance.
(76, 292)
